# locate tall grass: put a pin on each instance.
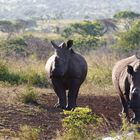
(99, 77)
(28, 133)
(29, 72)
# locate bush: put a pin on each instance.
(127, 14)
(127, 41)
(85, 43)
(83, 28)
(79, 123)
(14, 46)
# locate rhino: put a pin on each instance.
(67, 70)
(126, 80)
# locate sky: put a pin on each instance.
(68, 8)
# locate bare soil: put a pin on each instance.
(48, 118)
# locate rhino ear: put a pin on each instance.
(54, 45)
(130, 69)
(69, 43)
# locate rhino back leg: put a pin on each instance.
(73, 93)
(61, 93)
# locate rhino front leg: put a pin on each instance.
(124, 106)
(72, 94)
(61, 93)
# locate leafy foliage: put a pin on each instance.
(83, 28)
(127, 14)
(85, 43)
(86, 34)
(15, 45)
(130, 40)
(78, 123)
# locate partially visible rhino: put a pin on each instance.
(126, 79)
(67, 70)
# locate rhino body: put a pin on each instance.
(67, 71)
(126, 80)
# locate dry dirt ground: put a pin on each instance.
(46, 117)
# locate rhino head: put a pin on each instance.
(134, 93)
(61, 59)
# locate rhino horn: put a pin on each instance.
(54, 45)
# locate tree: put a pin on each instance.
(130, 40)
(84, 28)
(127, 14)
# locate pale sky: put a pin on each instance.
(74, 8)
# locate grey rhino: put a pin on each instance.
(126, 79)
(67, 71)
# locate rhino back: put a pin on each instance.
(119, 74)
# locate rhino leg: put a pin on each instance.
(60, 92)
(124, 106)
(73, 93)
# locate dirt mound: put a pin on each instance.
(49, 119)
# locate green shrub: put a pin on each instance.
(29, 96)
(17, 45)
(127, 41)
(83, 28)
(80, 124)
(86, 43)
(20, 40)
(127, 14)
(28, 133)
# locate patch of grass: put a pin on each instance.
(99, 76)
(100, 68)
(16, 73)
(29, 96)
(31, 72)
(7, 132)
(28, 133)
(6, 75)
(32, 77)
(128, 131)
